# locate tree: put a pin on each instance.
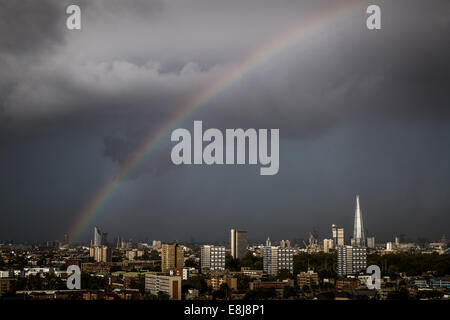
(154, 255)
(190, 263)
(223, 292)
(289, 292)
(232, 264)
(243, 282)
(284, 274)
(401, 294)
(324, 262)
(260, 294)
(195, 282)
(252, 262)
(138, 283)
(163, 296)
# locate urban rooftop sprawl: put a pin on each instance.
(331, 269)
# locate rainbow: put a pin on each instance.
(283, 41)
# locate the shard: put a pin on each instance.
(359, 239)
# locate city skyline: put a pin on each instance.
(85, 124)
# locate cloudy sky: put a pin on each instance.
(359, 112)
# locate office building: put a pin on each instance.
(170, 285)
(351, 260)
(212, 257)
(276, 259)
(285, 244)
(238, 244)
(397, 242)
(371, 242)
(100, 238)
(97, 237)
(359, 239)
(172, 256)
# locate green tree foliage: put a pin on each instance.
(323, 263)
(284, 274)
(223, 292)
(261, 294)
(138, 283)
(243, 282)
(249, 261)
(195, 282)
(93, 282)
(36, 282)
(190, 263)
(401, 294)
(154, 255)
(232, 264)
(290, 292)
(411, 264)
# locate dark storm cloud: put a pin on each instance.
(88, 99)
(30, 26)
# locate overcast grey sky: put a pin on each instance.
(359, 111)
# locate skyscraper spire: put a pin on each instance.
(359, 239)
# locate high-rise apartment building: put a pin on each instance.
(172, 256)
(277, 258)
(238, 244)
(351, 260)
(213, 257)
(359, 239)
(101, 254)
(338, 235)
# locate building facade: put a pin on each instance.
(100, 238)
(277, 258)
(338, 235)
(351, 260)
(213, 257)
(217, 280)
(172, 256)
(371, 242)
(180, 272)
(238, 244)
(328, 244)
(309, 278)
(170, 285)
(101, 253)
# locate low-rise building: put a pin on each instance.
(171, 285)
(309, 278)
(180, 272)
(217, 280)
(6, 285)
(346, 284)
